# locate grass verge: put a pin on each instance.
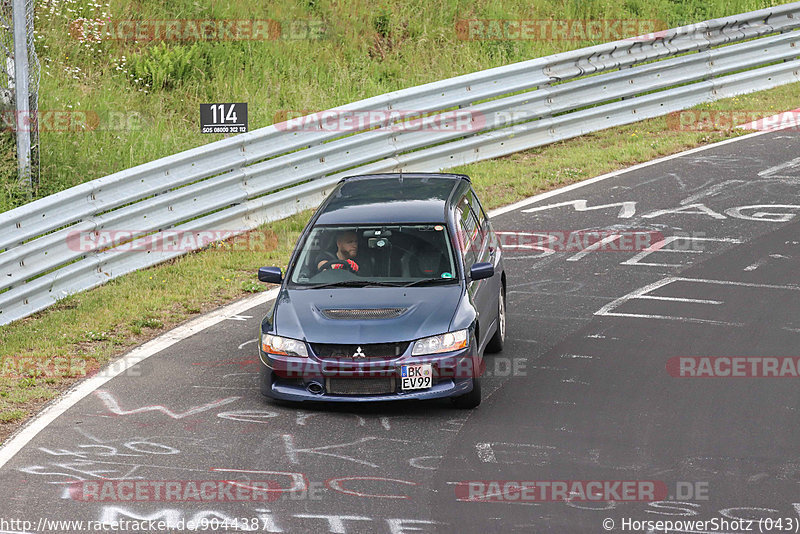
(98, 325)
(143, 96)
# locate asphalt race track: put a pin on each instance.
(581, 392)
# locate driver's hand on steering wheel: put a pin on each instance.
(350, 265)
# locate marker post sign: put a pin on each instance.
(223, 118)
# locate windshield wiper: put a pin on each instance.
(428, 281)
(353, 283)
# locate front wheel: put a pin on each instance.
(471, 399)
(499, 338)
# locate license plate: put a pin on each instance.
(416, 376)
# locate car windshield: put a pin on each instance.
(375, 255)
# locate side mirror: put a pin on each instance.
(481, 270)
(271, 275)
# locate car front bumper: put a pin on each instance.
(295, 379)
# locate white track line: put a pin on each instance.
(139, 354)
(20, 438)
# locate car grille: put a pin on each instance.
(360, 386)
(370, 350)
(363, 313)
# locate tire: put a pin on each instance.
(499, 338)
(471, 399)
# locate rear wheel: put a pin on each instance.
(471, 399)
(499, 338)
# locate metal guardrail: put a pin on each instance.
(244, 181)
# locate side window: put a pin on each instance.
(477, 209)
(483, 220)
(470, 235)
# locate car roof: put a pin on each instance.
(391, 198)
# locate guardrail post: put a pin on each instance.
(22, 98)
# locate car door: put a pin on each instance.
(474, 250)
(491, 247)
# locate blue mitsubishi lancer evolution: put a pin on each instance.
(394, 291)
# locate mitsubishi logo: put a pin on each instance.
(359, 353)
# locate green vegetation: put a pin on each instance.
(367, 48)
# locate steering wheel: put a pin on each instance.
(347, 265)
(333, 275)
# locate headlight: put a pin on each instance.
(283, 345)
(443, 343)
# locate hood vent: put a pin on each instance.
(363, 313)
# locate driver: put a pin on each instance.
(346, 254)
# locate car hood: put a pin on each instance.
(426, 311)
